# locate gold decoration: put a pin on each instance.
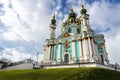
(66, 34)
(66, 45)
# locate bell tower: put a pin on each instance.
(52, 28)
(84, 18)
(87, 36)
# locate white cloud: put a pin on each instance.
(112, 44)
(26, 21)
(14, 55)
(104, 14)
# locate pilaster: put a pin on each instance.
(90, 47)
(48, 57)
(95, 55)
(73, 50)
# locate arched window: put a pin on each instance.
(78, 30)
(71, 20)
(69, 30)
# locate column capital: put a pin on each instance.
(73, 40)
(59, 43)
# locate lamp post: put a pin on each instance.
(37, 56)
(116, 66)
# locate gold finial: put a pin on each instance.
(71, 9)
(82, 2)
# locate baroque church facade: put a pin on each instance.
(77, 42)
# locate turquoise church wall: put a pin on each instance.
(70, 50)
(62, 53)
(50, 52)
(77, 50)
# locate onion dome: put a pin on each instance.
(72, 14)
(53, 21)
(83, 10)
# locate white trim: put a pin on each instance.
(87, 49)
(90, 47)
(84, 49)
(48, 53)
(59, 51)
(95, 55)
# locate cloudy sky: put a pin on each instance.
(24, 25)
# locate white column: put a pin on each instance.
(84, 49)
(51, 52)
(48, 55)
(90, 47)
(95, 50)
(84, 22)
(59, 51)
(73, 50)
(80, 47)
(93, 47)
(87, 48)
(105, 55)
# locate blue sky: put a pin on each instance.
(24, 25)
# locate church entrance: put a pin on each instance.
(66, 58)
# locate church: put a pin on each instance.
(77, 42)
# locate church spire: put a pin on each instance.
(52, 28)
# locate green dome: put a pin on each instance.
(53, 21)
(72, 14)
(83, 10)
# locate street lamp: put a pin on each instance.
(116, 66)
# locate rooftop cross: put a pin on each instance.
(82, 3)
(54, 16)
(72, 10)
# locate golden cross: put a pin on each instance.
(82, 2)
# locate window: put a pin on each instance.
(69, 30)
(78, 30)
